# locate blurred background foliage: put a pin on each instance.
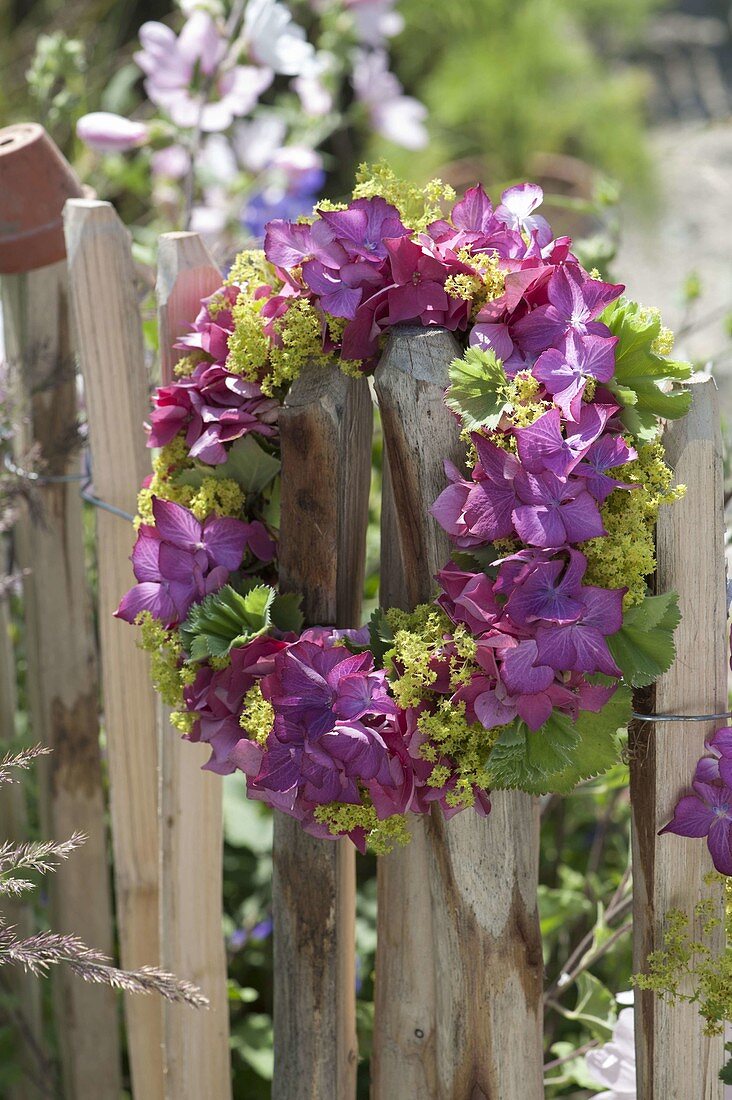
(560, 90)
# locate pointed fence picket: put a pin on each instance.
(459, 967)
(62, 665)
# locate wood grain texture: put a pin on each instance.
(326, 429)
(482, 873)
(191, 824)
(22, 1014)
(186, 274)
(675, 1060)
(403, 1061)
(110, 351)
(62, 668)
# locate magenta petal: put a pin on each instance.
(521, 673)
(176, 524)
(147, 596)
(719, 843)
(146, 557)
(287, 244)
(247, 756)
(175, 564)
(535, 710)
(225, 539)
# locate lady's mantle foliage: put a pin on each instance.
(519, 674)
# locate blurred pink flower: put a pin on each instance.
(613, 1064)
(274, 40)
(395, 116)
(172, 64)
(109, 133)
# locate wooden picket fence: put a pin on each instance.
(459, 971)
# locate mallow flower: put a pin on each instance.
(613, 1063)
(395, 116)
(175, 65)
(109, 133)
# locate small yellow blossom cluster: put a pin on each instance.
(168, 674)
(418, 206)
(486, 286)
(626, 555)
(257, 716)
(381, 836)
(521, 392)
(449, 733)
(418, 635)
(251, 269)
(248, 344)
(186, 365)
(686, 969)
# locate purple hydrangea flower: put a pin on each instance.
(216, 698)
(580, 645)
(575, 301)
(550, 591)
(517, 211)
(553, 512)
(606, 453)
(564, 372)
(707, 811)
(180, 560)
(214, 407)
(541, 446)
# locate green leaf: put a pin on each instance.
(595, 1007)
(286, 613)
(725, 1073)
(555, 758)
(226, 619)
(251, 467)
(644, 648)
(525, 758)
(643, 379)
(598, 747)
(477, 391)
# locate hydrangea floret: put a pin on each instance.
(519, 675)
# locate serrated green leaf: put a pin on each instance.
(381, 636)
(226, 619)
(248, 464)
(644, 647)
(477, 391)
(643, 379)
(525, 758)
(598, 746)
(557, 757)
(286, 613)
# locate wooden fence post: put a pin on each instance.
(191, 934)
(675, 1059)
(23, 1014)
(62, 670)
(325, 430)
(403, 1061)
(110, 350)
(486, 946)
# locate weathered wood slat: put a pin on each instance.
(674, 1058)
(62, 668)
(326, 432)
(404, 1055)
(110, 350)
(486, 947)
(191, 933)
(17, 913)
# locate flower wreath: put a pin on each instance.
(519, 675)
